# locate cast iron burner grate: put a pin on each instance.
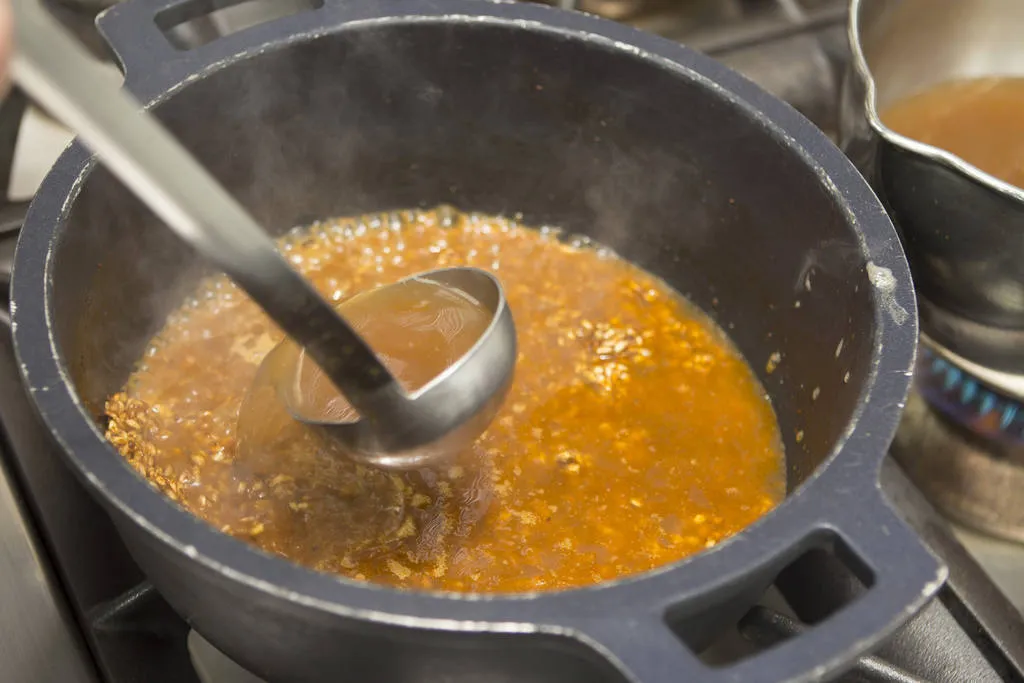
(794, 49)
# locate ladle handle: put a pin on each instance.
(56, 72)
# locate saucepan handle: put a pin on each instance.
(904, 576)
(167, 37)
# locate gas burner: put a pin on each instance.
(967, 400)
(961, 441)
(969, 478)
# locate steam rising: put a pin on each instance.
(495, 119)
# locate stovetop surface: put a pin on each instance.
(86, 612)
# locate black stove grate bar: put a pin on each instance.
(765, 627)
(141, 638)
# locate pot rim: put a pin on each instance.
(831, 498)
(923, 150)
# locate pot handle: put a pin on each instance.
(140, 31)
(644, 648)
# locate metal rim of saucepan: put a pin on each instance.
(925, 151)
(950, 334)
(841, 498)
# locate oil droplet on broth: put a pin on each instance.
(418, 329)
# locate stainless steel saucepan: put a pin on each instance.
(962, 228)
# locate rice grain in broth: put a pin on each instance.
(633, 436)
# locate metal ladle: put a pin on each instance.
(395, 428)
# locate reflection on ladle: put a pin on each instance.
(417, 327)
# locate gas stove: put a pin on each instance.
(76, 607)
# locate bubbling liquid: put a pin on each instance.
(633, 435)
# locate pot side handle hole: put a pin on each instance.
(823, 611)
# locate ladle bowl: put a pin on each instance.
(467, 394)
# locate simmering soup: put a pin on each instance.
(980, 120)
(634, 433)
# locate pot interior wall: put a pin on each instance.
(643, 158)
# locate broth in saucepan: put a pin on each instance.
(980, 120)
(633, 436)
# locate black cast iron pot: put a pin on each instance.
(671, 159)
